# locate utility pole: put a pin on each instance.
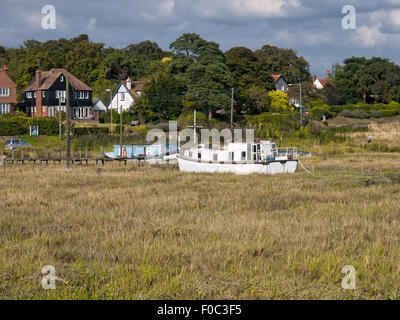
(111, 125)
(59, 119)
(301, 107)
(120, 134)
(233, 92)
(68, 156)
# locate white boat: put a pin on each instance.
(239, 158)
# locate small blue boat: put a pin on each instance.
(144, 151)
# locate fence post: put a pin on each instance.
(12, 156)
(102, 155)
(3, 161)
(22, 156)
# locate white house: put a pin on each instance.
(127, 92)
(98, 108)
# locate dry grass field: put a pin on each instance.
(155, 233)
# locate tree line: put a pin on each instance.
(196, 73)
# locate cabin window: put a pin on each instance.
(231, 156)
(215, 157)
(243, 157)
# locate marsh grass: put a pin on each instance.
(153, 232)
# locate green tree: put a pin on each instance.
(200, 65)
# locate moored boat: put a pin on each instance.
(240, 158)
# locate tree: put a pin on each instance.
(163, 96)
(200, 65)
(285, 62)
(279, 101)
(367, 80)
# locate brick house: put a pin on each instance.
(46, 92)
(8, 92)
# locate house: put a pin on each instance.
(127, 92)
(8, 92)
(98, 108)
(280, 83)
(46, 92)
(320, 83)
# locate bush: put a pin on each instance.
(90, 131)
(358, 114)
(318, 113)
(18, 125)
(389, 113)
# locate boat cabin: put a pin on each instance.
(262, 151)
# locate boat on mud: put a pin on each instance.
(146, 152)
(261, 157)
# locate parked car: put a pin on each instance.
(16, 143)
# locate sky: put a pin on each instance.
(311, 27)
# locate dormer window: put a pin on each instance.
(83, 94)
(4, 92)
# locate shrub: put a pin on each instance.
(18, 125)
(318, 113)
(90, 131)
(389, 113)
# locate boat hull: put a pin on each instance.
(273, 167)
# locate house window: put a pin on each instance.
(60, 95)
(215, 157)
(34, 94)
(190, 154)
(243, 157)
(199, 155)
(81, 94)
(231, 156)
(44, 94)
(4, 92)
(122, 96)
(4, 108)
(29, 95)
(86, 94)
(51, 111)
(62, 78)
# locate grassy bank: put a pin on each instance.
(153, 232)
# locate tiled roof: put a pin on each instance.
(47, 78)
(276, 77)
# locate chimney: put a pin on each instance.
(129, 83)
(314, 77)
(39, 108)
(328, 74)
(38, 79)
(5, 68)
